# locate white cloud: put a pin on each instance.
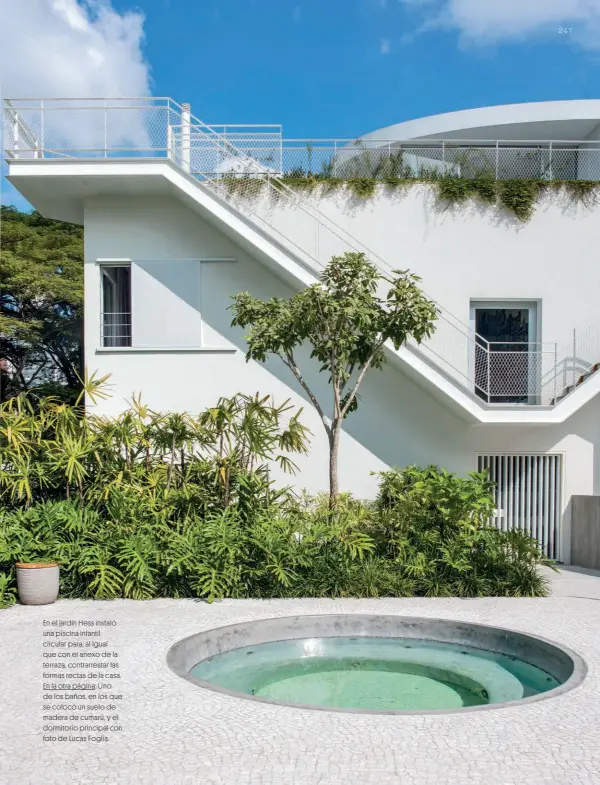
(487, 21)
(74, 48)
(384, 46)
(69, 48)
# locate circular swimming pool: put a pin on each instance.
(376, 663)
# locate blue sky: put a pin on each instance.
(341, 67)
(322, 68)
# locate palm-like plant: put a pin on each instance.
(169, 505)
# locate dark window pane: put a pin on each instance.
(116, 304)
(502, 372)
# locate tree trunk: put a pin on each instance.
(334, 443)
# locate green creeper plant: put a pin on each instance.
(346, 318)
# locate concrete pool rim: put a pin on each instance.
(184, 654)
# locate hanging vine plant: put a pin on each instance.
(518, 196)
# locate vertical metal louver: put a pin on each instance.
(528, 496)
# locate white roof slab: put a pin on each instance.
(539, 121)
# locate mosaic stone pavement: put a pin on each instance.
(177, 734)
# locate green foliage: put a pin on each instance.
(426, 535)
(363, 176)
(457, 190)
(41, 300)
(346, 320)
(50, 451)
(584, 191)
(151, 505)
(364, 187)
(8, 591)
(519, 196)
(436, 525)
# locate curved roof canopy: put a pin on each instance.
(540, 121)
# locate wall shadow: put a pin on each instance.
(397, 421)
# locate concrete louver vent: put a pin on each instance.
(528, 496)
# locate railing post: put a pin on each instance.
(574, 352)
(42, 125)
(489, 395)
(550, 175)
(16, 134)
(169, 141)
(555, 370)
(443, 156)
(280, 151)
(497, 160)
(185, 137)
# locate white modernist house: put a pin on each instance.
(507, 382)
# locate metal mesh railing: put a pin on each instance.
(90, 128)
(243, 166)
(433, 159)
(122, 127)
(238, 153)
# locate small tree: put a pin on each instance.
(347, 322)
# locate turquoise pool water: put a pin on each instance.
(374, 673)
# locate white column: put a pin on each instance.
(185, 137)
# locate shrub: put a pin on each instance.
(50, 451)
(425, 535)
(435, 525)
(169, 505)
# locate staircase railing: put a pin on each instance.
(244, 169)
(253, 187)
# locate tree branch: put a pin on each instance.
(291, 364)
(335, 385)
(361, 375)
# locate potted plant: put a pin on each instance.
(37, 582)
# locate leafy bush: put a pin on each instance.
(435, 526)
(425, 535)
(51, 451)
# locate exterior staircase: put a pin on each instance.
(571, 387)
(250, 186)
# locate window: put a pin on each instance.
(506, 355)
(116, 305)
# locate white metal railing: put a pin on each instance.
(115, 328)
(243, 165)
(435, 158)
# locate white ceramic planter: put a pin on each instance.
(37, 583)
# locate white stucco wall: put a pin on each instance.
(474, 252)
(192, 379)
(468, 253)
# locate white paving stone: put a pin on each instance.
(178, 734)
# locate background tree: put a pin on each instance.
(346, 318)
(41, 303)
